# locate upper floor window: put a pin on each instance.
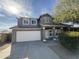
(34, 22)
(25, 22)
(46, 19)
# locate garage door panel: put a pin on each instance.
(22, 36)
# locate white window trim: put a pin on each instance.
(25, 23)
(35, 23)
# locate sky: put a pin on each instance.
(10, 9)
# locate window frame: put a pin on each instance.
(35, 23)
(24, 22)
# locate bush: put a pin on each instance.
(5, 38)
(69, 40)
(9, 37)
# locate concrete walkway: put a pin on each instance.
(31, 50)
(5, 52)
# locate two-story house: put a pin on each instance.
(31, 29)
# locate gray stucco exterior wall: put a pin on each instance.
(46, 20)
(13, 36)
(41, 34)
(21, 25)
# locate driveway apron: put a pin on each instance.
(32, 50)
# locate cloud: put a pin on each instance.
(5, 26)
(7, 14)
(20, 7)
(2, 15)
(6, 23)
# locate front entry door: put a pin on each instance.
(49, 34)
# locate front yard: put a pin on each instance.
(69, 39)
(64, 53)
(5, 38)
(5, 51)
(68, 45)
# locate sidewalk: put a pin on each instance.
(4, 46)
(5, 51)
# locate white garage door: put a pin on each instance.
(22, 36)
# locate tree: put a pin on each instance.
(67, 10)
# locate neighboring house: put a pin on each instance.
(31, 29)
(71, 26)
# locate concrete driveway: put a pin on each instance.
(31, 50)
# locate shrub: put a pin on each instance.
(69, 40)
(5, 38)
(9, 37)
